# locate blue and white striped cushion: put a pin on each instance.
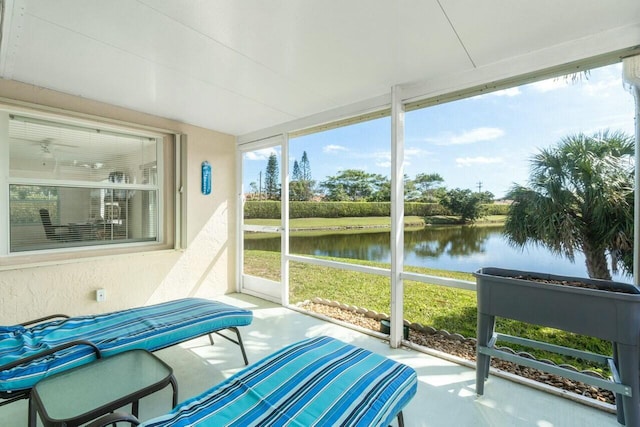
(151, 328)
(320, 381)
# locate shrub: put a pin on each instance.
(262, 209)
(268, 209)
(495, 209)
(464, 203)
(423, 209)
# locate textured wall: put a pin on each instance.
(206, 268)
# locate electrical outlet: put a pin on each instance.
(101, 295)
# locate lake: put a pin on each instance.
(459, 248)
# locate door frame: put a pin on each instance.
(271, 290)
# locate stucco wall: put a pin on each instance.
(206, 268)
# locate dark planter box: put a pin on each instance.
(601, 313)
(610, 311)
(385, 328)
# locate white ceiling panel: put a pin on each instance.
(500, 29)
(427, 44)
(166, 43)
(241, 66)
(330, 46)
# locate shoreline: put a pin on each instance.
(364, 223)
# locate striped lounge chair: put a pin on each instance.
(316, 382)
(29, 353)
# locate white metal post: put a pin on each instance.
(284, 215)
(181, 191)
(631, 81)
(397, 216)
(239, 220)
(4, 183)
(636, 196)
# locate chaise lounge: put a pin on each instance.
(29, 353)
(319, 381)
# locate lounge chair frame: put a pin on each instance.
(11, 396)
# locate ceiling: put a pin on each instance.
(241, 66)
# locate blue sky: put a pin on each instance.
(488, 138)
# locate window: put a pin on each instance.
(72, 185)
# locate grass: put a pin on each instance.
(454, 310)
(370, 222)
(337, 223)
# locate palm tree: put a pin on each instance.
(579, 198)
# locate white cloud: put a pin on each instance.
(602, 88)
(591, 86)
(512, 91)
(381, 155)
(415, 151)
(477, 135)
(551, 84)
(375, 155)
(332, 148)
(468, 137)
(480, 160)
(380, 159)
(259, 154)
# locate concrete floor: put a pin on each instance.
(446, 391)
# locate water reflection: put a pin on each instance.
(459, 248)
(429, 242)
(434, 242)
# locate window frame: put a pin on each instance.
(400, 100)
(166, 200)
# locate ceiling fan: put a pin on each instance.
(48, 141)
(46, 146)
(48, 153)
(46, 150)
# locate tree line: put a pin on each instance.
(579, 197)
(355, 185)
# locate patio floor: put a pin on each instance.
(446, 391)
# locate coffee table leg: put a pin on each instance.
(174, 386)
(32, 417)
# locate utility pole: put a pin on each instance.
(260, 186)
(479, 186)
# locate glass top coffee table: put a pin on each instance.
(87, 392)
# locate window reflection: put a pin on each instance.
(43, 217)
(79, 186)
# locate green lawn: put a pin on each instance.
(334, 223)
(368, 222)
(445, 308)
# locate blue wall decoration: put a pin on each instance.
(206, 178)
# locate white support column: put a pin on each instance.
(636, 200)
(180, 225)
(631, 81)
(284, 235)
(4, 181)
(397, 216)
(239, 219)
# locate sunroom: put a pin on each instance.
(130, 131)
